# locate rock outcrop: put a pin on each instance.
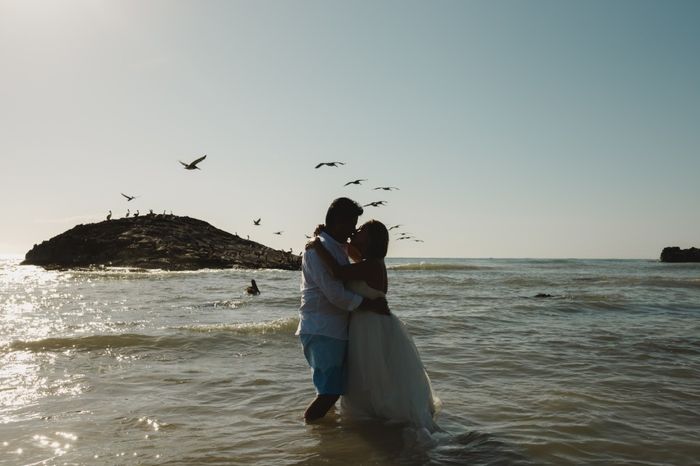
(166, 242)
(676, 254)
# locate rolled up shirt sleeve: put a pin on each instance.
(331, 287)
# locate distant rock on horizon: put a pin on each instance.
(676, 254)
(166, 242)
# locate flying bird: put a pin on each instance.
(257, 222)
(404, 237)
(419, 241)
(375, 204)
(129, 198)
(354, 182)
(386, 188)
(395, 226)
(277, 232)
(193, 165)
(329, 164)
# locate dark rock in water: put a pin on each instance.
(166, 242)
(676, 254)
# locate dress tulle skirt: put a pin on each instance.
(386, 378)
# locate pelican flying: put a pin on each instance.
(329, 164)
(354, 182)
(193, 165)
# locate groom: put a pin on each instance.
(326, 306)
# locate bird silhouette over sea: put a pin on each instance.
(354, 182)
(375, 204)
(193, 165)
(277, 232)
(257, 222)
(395, 226)
(129, 198)
(386, 188)
(329, 164)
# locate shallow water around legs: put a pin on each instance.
(134, 367)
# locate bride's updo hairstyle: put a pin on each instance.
(340, 209)
(378, 240)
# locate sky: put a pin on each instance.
(533, 129)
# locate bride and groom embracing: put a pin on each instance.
(356, 348)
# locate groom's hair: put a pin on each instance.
(342, 208)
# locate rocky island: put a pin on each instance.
(167, 242)
(676, 254)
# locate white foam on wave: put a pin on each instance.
(277, 326)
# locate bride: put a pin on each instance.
(386, 378)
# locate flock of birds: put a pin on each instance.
(400, 236)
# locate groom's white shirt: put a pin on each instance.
(325, 303)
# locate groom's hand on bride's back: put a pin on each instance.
(378, 305)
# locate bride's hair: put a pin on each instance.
(378, 239)
(319, 229)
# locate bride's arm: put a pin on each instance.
(358, 271)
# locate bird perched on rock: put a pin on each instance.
(128, 212)
(193, 165)
(375, 204)
(253, 288)
(109, 215)
(129, 198)
(257, 222)
(386, 188)
(329, 164)
(354, 182)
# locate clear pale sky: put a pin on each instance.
(543, 128)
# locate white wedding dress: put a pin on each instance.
(386, 378)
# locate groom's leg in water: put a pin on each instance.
(319, 407)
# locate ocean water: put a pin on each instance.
(135, 367)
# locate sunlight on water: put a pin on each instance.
(133, 367)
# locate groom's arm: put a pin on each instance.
(332, 288)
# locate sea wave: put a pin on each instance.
(433, 266)
(98, 342)
(277, 326)
(131, 340)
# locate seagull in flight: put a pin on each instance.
(257, 222)
(329, 164)
(419, 241)
(395, 226)
(375, 204)
(277, 232)
(386, 188)
(354, 182)
(129, 198)
(193, 165)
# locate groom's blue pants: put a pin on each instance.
(326, 356)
